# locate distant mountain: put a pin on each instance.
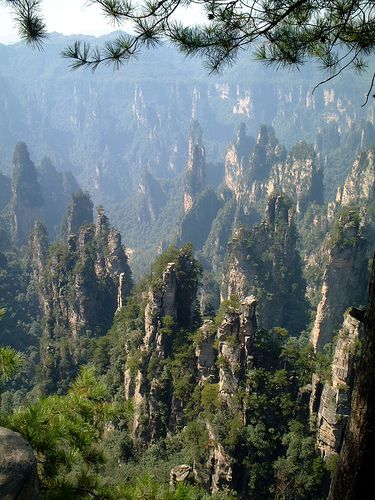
(109, 126)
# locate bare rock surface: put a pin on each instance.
(18, 468)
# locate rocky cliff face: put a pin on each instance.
(170, 307)
(224, 354)
(237, 160)
(332, 400)
(345, 277)
(57, 189)
(80, 284)
(300, 177)
(357, 189)
(264, 261)
(171, 372)
(353, 478)
(248, 165)
(78, 214)
(39, 194)
(196, 224)
(27, 200)
(152, 198)
(360, 183)
(196, 174)
(99, 134)
(216, 246)
(236, 336)
(254, 171)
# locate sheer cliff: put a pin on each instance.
(264, 261)
(345, 277)
(80, 285)
(331, 399)
(353, 475)
(38, 193)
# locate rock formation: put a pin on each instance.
(248, 165)
(345, 277)
(179, 474)
(360, 183)
(225, 367)
(206, 354)
(353, 477)
(196, 174)
(27, 200)
(332, 401)
(237, 160)
(152, 198)
(18, 468)
(217, 361)
(216, 245)
(170, 308)
(37, 194)
(196, 223)
(255, 171)
(264, 261)
(78, 214)
(236, 336)
(80, 284)
(300, 177)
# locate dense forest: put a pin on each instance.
(184, 269)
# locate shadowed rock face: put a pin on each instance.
(264, 261)
(354, 477)
(27, 200)
(18, 469)
(344, 280)
(80, 285)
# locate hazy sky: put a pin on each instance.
(64, 16)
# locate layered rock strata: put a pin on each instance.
(333, 399)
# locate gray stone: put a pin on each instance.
(179, 474)
(18, 468)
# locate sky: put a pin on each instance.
(66, 17)
(63, 16)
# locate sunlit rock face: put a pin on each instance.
(196, 174)
(332, 400)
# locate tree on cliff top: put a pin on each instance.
(335, 33)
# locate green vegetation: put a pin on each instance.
(11, 360)
(84, 436)
(346, 232)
